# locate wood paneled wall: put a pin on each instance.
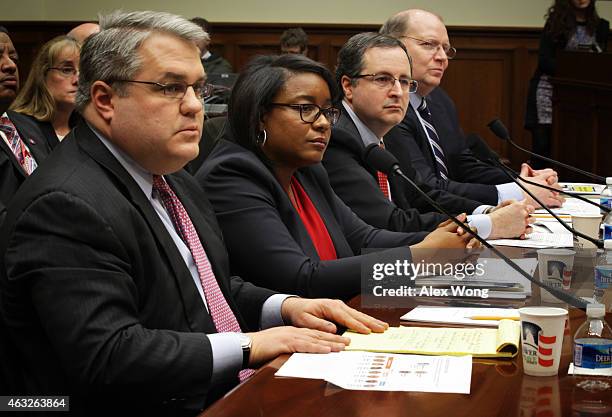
(487, 79)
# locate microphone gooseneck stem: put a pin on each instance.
(553, 161)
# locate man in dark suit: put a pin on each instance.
(20, 151)
(114, 279)
(374, 74)
(430, 136)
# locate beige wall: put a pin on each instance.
(526, 13)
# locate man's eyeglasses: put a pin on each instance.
(178, 89)
(66, 71)
(432, 46)
(388, 81)
(309, 113)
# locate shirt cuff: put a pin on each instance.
(509, 191)
(482, 223)
(482, 209)
(271, 311)
(226, 355)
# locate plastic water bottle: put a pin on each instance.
(606, 195)
(593, 341)
(606, 231)
(603, 281)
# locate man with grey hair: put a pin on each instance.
(374, 73)
(430, 136)
(114, 279)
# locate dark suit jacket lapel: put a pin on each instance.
(213, 246)
(352, 139)
(423, 140)
(316, 195)
(195, 311)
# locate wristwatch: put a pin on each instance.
(245, 343)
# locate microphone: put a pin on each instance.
(382, 160)
(498, 128)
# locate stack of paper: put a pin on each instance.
(499, 278)
(383, 372)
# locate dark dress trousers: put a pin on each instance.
(12, 174)
(96, 294)
(357, 185)
(266, 238)
(468, 176)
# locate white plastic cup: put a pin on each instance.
(542, 331)
(555, 268)
(587, 224)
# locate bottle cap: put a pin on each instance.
(596, 310)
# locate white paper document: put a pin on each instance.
(461, 315)
(539, 240)
(383, 371)
(572, 206)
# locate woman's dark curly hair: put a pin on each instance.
(561, 19)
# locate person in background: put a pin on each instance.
(48, 95)
(213, 63)
(570, 25)
(83, 31)
(22, 144)
(283, 225)
(294, 41)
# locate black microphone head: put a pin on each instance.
(499, 129)
(380, 159)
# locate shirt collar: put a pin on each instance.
(367, 136)
(415, 100)
(143, 178)
(206, 55)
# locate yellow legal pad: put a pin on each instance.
(502, 342)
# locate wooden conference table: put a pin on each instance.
(499, 388)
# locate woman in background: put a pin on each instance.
(570, 25)
(48, 94)
(283, 225)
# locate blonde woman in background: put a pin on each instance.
(48, 94)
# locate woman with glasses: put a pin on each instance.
(48, 94)
(283, 225)
(570, 25)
